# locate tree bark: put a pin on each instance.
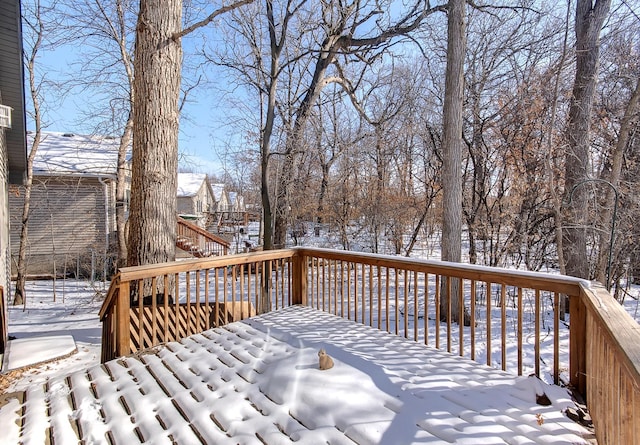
(157, 64)
(590, 17)
(452, 149)
(276, 47)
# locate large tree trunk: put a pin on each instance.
(589, 20)
(452, 149)
(157, 63)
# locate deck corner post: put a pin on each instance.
(577, 344)
(299, 279)
(123, 333)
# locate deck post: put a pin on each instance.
(577, 344)
(122, 329)
(299, 279)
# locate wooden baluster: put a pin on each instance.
(503, 322)
(141, 316)
(154, 315)
(386, 281)
(207, 305)
(473, 319)
(426, 309)
(489, 318)
(123, 321)
(396, 292)
(415, 306)
(437, 304)
(449, 309)
(556, 338)
(520, 328)
(537, 334)
(461, 315)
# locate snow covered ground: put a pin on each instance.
(73, 311)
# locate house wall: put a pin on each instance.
(5, 269)
(72, 220)
(4, 214)
(186, 205)
(200, 204)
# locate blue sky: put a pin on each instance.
(196, 142)
(201, 130)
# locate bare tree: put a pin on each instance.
(157, 65)
(107, 28)
(255, 52)
(452, 148)
(590, 16)
(157, 68)
(340, 25)
(36, 32)
(612, 174)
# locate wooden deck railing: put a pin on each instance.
(513, 316)
(199, 242)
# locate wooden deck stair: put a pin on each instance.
(198, 242)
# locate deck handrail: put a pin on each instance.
(195, 234)
(603, 356)
(540, 280)
(609, 366)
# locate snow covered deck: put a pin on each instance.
(257, 381)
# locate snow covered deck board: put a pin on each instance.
(257, 381)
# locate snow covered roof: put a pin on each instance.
(189, 183)
(218, 190)
(73, 154)
(258, 381)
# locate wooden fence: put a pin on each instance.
(511, 316)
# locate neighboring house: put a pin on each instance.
(13, 153)
(72, 216)
(237, 202)
(195, 197)
(230, 209)
(238, 214)
(221, 198)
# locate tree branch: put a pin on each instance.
(212, 16)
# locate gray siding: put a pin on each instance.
(11, 87)
(4, 216)
(5, 264)
(69, 218)
(186, 204)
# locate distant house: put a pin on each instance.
(230, 209)
(221, 198)
(237, 202)
(196, 200)
(72, 218)
(13, 153)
